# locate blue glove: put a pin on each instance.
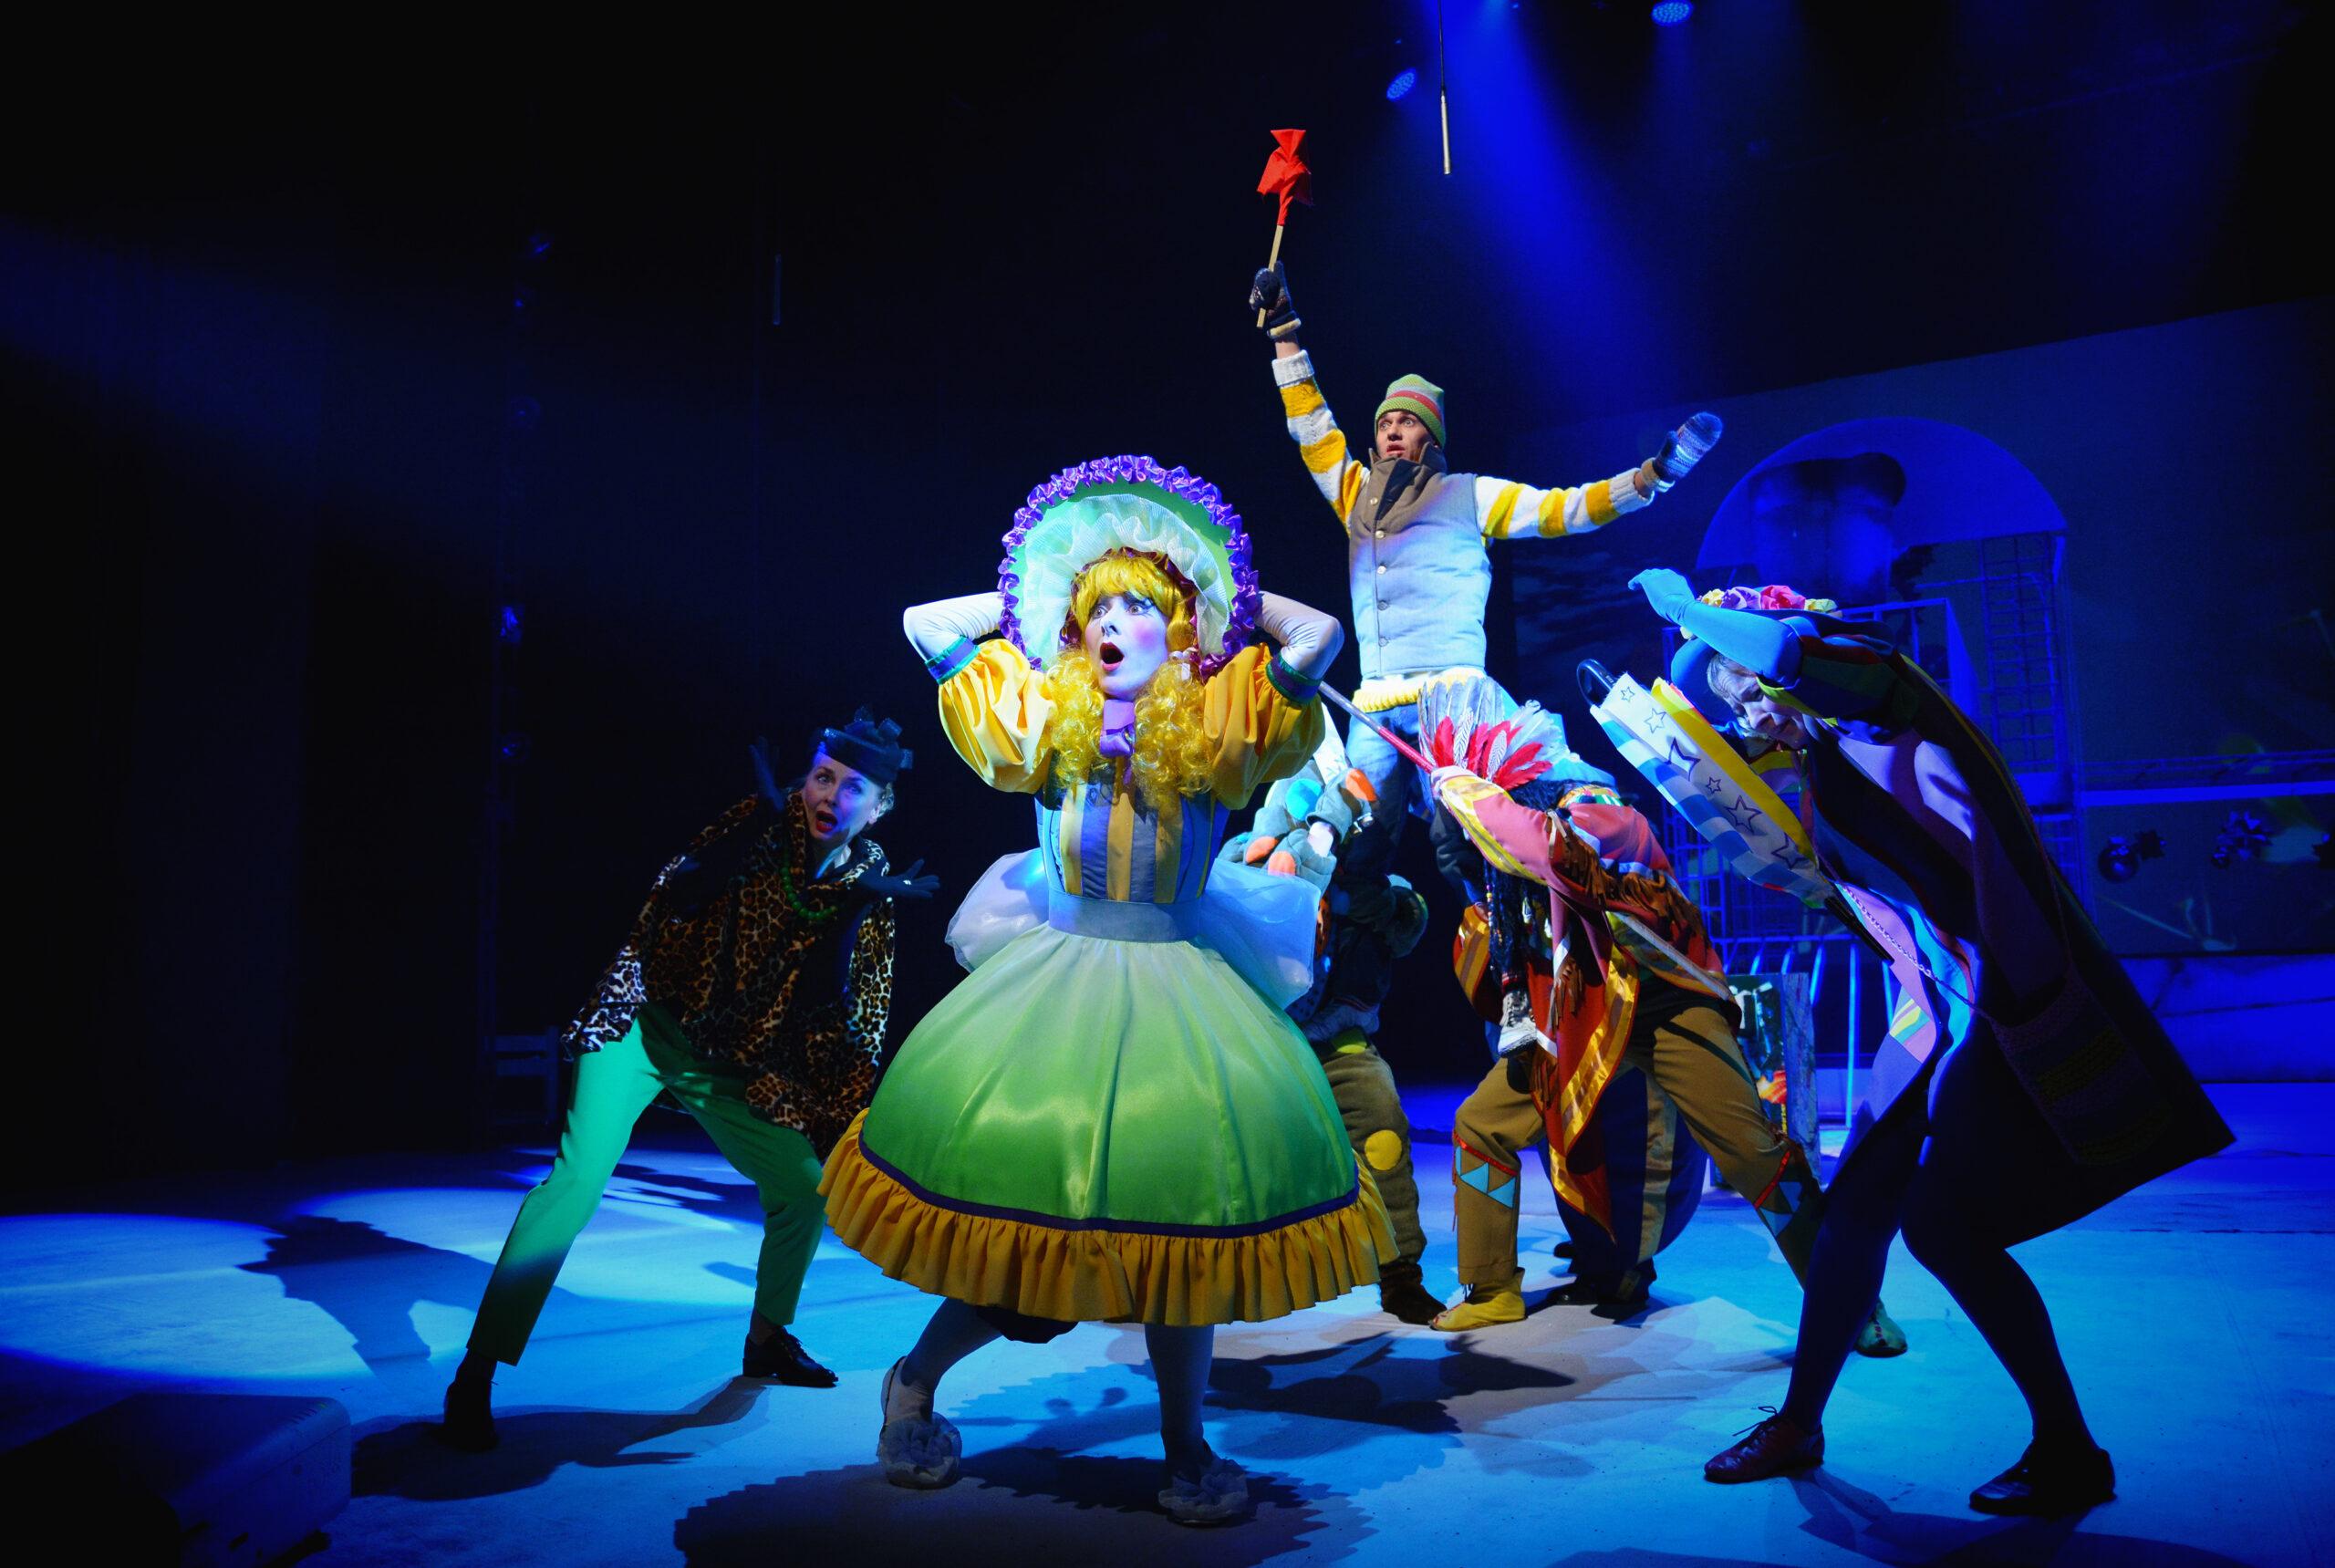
(1758, 642)
(1668, 592)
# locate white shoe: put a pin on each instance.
(917, 1449)
(1220, 1496)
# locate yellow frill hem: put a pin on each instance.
(1101, 1276)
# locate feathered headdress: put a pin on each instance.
(1470, 721)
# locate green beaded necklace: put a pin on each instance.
(810, 914)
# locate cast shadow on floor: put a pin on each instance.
(1856, 1521)
(733, 1199)
(1035, 1481)
(1399, 1380)
(309, 1255)
(405, 1459)
(1024, 1505)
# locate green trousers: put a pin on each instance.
(613, 1086)
(1691, 1055)
(1363, 1087)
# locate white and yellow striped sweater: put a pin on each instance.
(1416, 547)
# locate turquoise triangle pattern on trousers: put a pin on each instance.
(1480, 1178)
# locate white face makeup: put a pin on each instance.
(1403, 435)
(1126, 637)
(838, 802)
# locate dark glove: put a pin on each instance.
(696, 880)
(1369, 848)
(760, 753)
(1520, 1070)
(1456, 856)
(1684, 448)
(907, 885)
(1269, 294)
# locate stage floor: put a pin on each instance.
(2193, 1315)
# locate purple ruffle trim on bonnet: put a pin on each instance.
(1241, 620)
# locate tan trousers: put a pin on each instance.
(1363, 1087)
(1688, 1052)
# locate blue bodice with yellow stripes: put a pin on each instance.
(1103, 842)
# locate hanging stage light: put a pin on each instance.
(1670, 13)
(2120, 859)
(1405, 80)
(2242, 838)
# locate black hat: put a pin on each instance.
(868, 746)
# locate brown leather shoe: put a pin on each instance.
(1775, 1447)
(2050, 1480)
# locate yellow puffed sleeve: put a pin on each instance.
(994, 711)
(1259, 733)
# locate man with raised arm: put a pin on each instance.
(1417, 535)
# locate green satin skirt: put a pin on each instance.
(1082, 1079)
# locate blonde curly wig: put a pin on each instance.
(1173, 757)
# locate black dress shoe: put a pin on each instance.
(1625, 1292)
(782, 1357)
(1401, 1295)
(470, 1417)
(2050, 1480)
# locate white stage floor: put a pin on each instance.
(2192, 1313)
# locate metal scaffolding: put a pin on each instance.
(2015, 680)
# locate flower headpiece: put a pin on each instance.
(1690, 662)
(1766, 596)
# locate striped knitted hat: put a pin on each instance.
(1415, 395)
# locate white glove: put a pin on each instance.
(1309, 639)
(935, 627)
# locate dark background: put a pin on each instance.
(261, 320)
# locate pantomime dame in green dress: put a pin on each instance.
(1111, 1120)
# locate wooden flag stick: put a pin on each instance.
(1272, 260)
(1443, 87)
(1385, 734)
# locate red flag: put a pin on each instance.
(1286, 175)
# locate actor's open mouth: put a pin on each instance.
(1110, 655)
(823, 823)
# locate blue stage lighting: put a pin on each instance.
(1402, 83)
(1670, 13)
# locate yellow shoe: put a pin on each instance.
(1487, 1306)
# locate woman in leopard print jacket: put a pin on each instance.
(754, 988)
